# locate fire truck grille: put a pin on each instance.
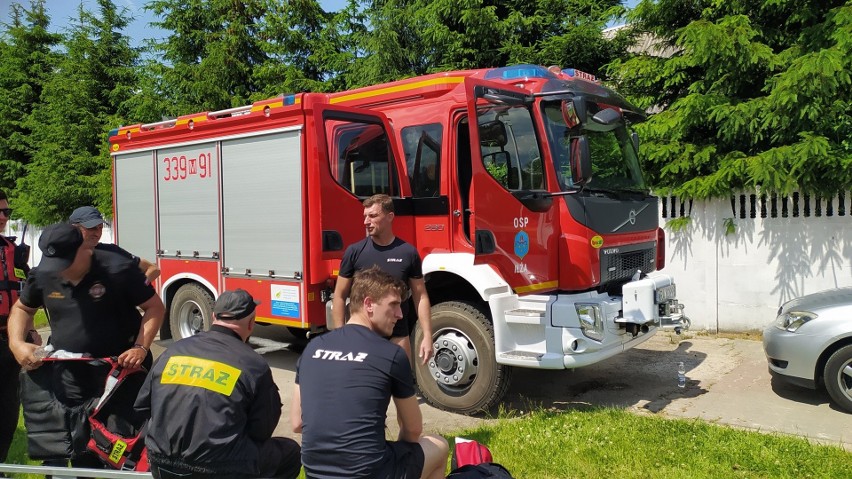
(620, 267)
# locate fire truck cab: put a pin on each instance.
(520, 186)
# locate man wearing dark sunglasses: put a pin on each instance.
(11, 277)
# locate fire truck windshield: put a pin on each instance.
(615, 162)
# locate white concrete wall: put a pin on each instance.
(733, 282)
(736, 282)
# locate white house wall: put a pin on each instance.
(737, 281)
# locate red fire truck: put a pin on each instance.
(520, 186)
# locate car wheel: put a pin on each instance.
(838, 377)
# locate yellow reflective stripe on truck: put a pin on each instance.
(536, 287)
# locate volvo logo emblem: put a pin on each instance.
(631, 217)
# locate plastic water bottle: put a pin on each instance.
(681, 375)
(43, 351)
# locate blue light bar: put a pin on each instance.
(289, 100)
(113, 132)
(518, 71)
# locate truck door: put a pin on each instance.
(513, 219)
(356, 159)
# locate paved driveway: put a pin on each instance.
(728, 383)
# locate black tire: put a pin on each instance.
(838, 377)
(298, 333)
(463, 376)
(191, 311)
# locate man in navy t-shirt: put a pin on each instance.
(346, 439)
(394, 256)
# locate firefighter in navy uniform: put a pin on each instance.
(13, 263)
(214, 404)
(91, 298)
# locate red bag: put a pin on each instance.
(469, 451)
(118, 432)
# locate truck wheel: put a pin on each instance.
(463, 376)
(838, 377)
(191, 311)
(298, 333)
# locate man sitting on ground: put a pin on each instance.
(346, 438)
(214, 405)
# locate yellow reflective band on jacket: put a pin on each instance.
(201, 373)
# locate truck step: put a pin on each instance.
(522, 356)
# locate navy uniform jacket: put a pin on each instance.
(211, 399)
(98, 315)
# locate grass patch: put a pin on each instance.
(40, 319)
(18, 451)
(618, 444)
(613, 443)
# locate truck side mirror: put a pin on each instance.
(581, 161)
(607, 116)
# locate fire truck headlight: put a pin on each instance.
(591, 320)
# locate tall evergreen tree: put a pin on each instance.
(414, 37)
(212, 53)
(298, 48)
(26, 63)
(568, 33)
(753, 94)
(79, 103)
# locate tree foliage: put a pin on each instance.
(753, 93)
(84, 97)
(210, 57)
(415, 37)
(757, 95)
(26, 63)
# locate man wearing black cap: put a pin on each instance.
(214, 404)
(91, 223)
(91, 298)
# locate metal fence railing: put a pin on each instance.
(68, 472)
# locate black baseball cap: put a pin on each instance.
(87, 216)
(58, 244)
(233, 305)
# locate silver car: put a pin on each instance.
(810, 343)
